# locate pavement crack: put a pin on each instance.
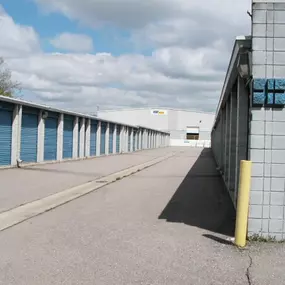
(248, 273)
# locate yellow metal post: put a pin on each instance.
(243, 203)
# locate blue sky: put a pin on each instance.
(110, 39)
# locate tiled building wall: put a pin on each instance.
(267, 125)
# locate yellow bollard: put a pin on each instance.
(243, 203)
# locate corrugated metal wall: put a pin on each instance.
(31, 134)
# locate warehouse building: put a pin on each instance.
(184, 126)
(32, 133)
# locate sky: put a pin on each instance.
(106, 54)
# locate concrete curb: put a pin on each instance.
(29, 210)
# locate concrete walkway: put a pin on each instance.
(167, 224)
(19, 186)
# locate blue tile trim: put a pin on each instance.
(268, 92)
(279, 99)
(280, 84)
(258, 98)
(259, 84)
(270, 99)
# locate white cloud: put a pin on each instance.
(138, 14)
(73, 42)
(143, 80)
(191, 41)
(122, 13)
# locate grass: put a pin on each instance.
(263, 239)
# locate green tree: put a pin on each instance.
(7, 85)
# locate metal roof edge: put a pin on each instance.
(67, 112)
(239, 44)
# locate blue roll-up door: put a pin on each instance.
(134, 139)
(84, 147)
(103, 137)
(118, 139)
(138, 139)
(6, 120)
(147, 139)
(50, 151)
(142, 140)
(68, 124)
(93, 138)
(29, 135)
(111, 137)
(78, 144)
(129, 138)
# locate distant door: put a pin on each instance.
(142, 139)
(6, 119)
(50, 151)
(111, 137)
(103, 138)
(129, 139)
(29, 135)
(85, 132)
(148, 139)
(93, 138)
(68, 125)
(78, 141)
(118, 139)
(134, 139)
(138, 140)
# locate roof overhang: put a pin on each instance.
(242, 44)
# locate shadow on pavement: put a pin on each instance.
(201, 200)
(218, 239)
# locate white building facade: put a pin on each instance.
(183, 125)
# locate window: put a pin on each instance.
(192, 133)
(192, 136)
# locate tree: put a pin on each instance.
(7, 85)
